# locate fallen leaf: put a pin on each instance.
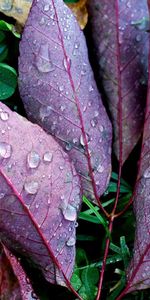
(13, 281)
(59, 92)
(79, 10)
(39, 197)
(19, 10)
(120, 39)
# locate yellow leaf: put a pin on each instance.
(80, 11)
(19, 10)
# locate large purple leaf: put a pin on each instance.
(59, 92)
(13, 281)
(138, 273)
(121, 46)
(39, 197)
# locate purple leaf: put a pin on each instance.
(39, 197)
(59, 91)
(13, 281)
(121, 46)
(138, 273)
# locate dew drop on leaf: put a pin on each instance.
(43, 60)
(147, 173)
(33, 159)
(82, 140)
(4, 115)
(71, 242)
(68, 146)
(44, 112)
(93, 122)
(46, 7)
(70, 213)
(31, 187)
(2, 195)
(100, 168)
(48, 156)
(67, 63)
(5, 150)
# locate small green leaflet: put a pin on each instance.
(8, 81)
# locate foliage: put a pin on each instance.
(112, 251)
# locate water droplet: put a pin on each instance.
(48, 156)
(75, 140)
(46, 7)
(61, 167)
(76, 224)
(43, 60)
(138, 38)
(44, 112)
(33, 159)
(101, 128)
(6, 5)
(4, 115)
(77, 45)
(91, 88)
(82, 140)
(100, 169)
(128, 4)
(84, 69)
(61, 88)
(96, 113)
(71, 242)
(68, 146)
(93, 122)
(67, 63)
(5, 150)
(62, 107)
(31, 187)
(147, 173)
(2, 195)
(42, 21)
(70, 213)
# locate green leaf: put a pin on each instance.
(88, 218)
(2, 36)
(84, 237)
(8, 81)
(82, 293)
(99, 217)
(115, 248)
(81, 257)
(3, 52)
(117, 288)
(125, 251)
(76, 282)
(9, 27)
(90, 276)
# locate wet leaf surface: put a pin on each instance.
(14, 283)
(59, 92)
(120, 38)
(39, 197)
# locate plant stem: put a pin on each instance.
(104, 262)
